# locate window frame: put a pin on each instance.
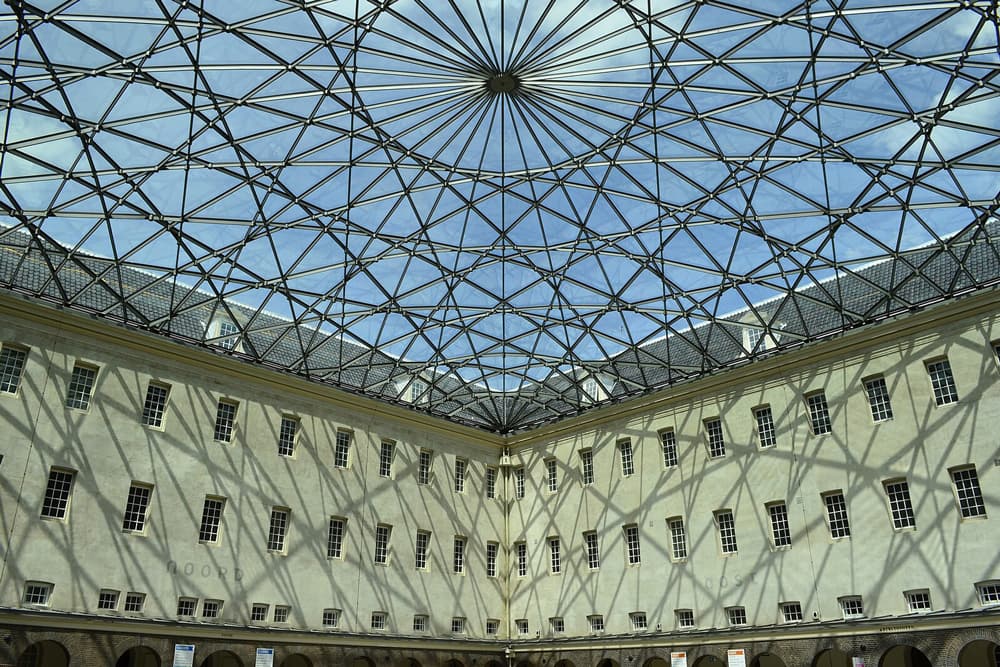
(715, 437)
(668, 448)
(224, 429)
(879, 401)
(491, 482)
(425, 458)
(80, 390)
(725, 524)
(342, 441)
(781, 531)
(461, 471)
(633, 545)
(459, 554)
(969, 497)
(555, 555)
(383, 538)
(518, 473)
(767, 435)
(386, 454)
(108, 599)
(336, 536)
(551, 475)
(278, 527)
(142, 513)
(818, 410)
(492, 559)
(736, 616)
(587, 466)
(626, 456)
(899, 503)
(915, 595)
(287, 444)
(684, 619)
(592, 550)
(37, 589)
(839, 528)
(153, 414)
(217, 519)
(638, 621)
(13, 361)
(944, 389)
(57, 507)
(421, 550)
(852, 607)
(521, 558)
(789, 610)
(678, 539)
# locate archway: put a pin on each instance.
(296, 660)
(44, 654)
(412, 662)
(222, 659)
(362, 661)
(904, 656)
(454, 663)
(767, 660)
(979, 653)
(139, 656)
(607, 662)
(708, 661)
(656, 662)
(831, 657)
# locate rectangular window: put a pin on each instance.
(225, 421)
(155, 405)
(593, 550)
(331, 618)
(458, 553)
(211, 517)
(108, 600)
(628, 463)
(900, 507)
(492, 549)
(134, 602)
(878, 399)
(419, 623)
(819, 413)
(587, 466)
(491, 483)
(736, 615)
(258, 612)
(970, 497)
(281, 613)
(551, 475)
(557, 625)
(519, 483)
(278, 529)
(781, 534)
(460, 467)
(385, 459)
(918, 602)
(382, 533)
(716, 441)
(685, 618)
(211, 608)
(379, 620)
(37, 593)
(596, 622)
(678, 538)
(521, 552)
(424, 467)
(727, 531)
(335, 537)
(638, 620)
(81, 385)
(765, 427)
(942, 382)
(521, 625)
(632, 555)
(57, 494)
(836, 515)
(791, 612)
(458, 625)
(228, 339)
(492, 626)
(668, 443)
(420, 549)
(11, 367)
(286, 436)
(851, 606)
(988, 592)
(555, 560)
(342, 449)
(136, 507)
(186, 606)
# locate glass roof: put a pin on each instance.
(502, 213)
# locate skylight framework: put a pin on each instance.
(478, 210)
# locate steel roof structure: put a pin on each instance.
(502, 213)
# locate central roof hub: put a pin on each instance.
(503, 82)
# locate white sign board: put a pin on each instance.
(737, 657)
(265, 658)
(679, 659)
(857, 662)
(183, 655)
